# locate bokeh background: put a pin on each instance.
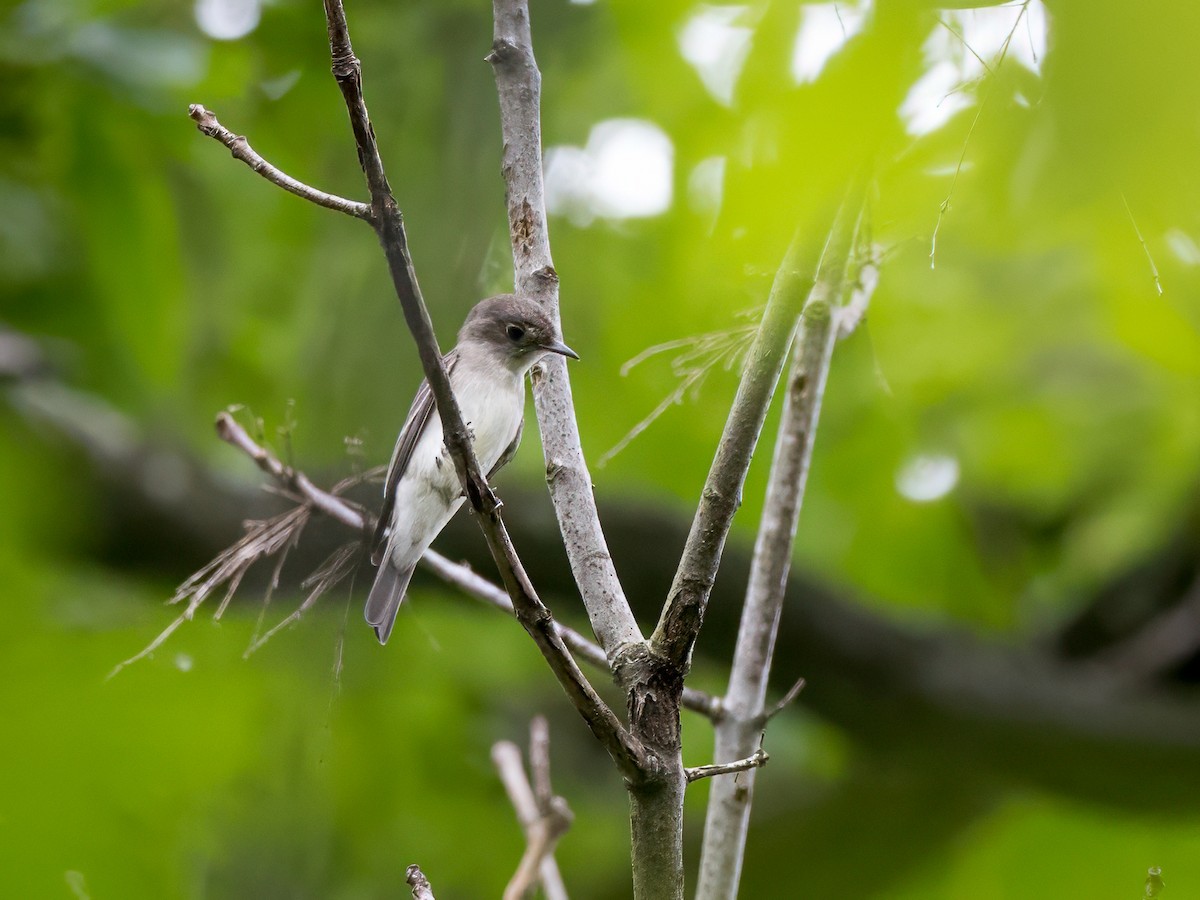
(995, 589)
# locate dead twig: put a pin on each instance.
(544, 817)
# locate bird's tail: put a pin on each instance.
(385, 598)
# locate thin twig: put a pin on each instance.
(703, 353)
(337, 566)
(543, 821)
(944, 207)
(950, 28)
(1145, 247)
(754, 761)
(149, 649)
(294, 481)
(787, 700)
(207, 122)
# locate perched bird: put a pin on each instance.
(501, 340)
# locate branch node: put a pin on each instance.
(503, 51)
(416, 879)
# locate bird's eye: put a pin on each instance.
(514, 332)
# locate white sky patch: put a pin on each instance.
(962, 47)
(626, 171)
(824, 30)
(933, 100)
(1183, 245)
(228, 20)
(927, 477)
(716, 47)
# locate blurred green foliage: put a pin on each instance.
(171, 282)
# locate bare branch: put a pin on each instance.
(295, 482)
(518, 84)
(755, 760)
(683, 613)
(728, 817)
(416, 879)
(389, 226)
(543, 819)
(207, 122)
(539, 760)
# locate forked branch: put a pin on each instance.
(687, 600)
(740, 730)
(544, 817)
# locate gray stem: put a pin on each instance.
(683, 613)
(740, 730)
(518, 83)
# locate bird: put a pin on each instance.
(502, 338)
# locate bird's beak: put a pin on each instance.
(560, 348)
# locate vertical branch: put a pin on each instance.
(655, 678)
(683, 613)
(739, 731)
(519, 83)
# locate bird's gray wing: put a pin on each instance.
(509, 452)
(418, 417)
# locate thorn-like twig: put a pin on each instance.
(788, 699)
(1145, 247)
(756, 760)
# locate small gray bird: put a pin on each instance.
(501, 340)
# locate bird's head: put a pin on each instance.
(516, 329)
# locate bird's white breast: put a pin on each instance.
(429, 493)
(492, 405)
